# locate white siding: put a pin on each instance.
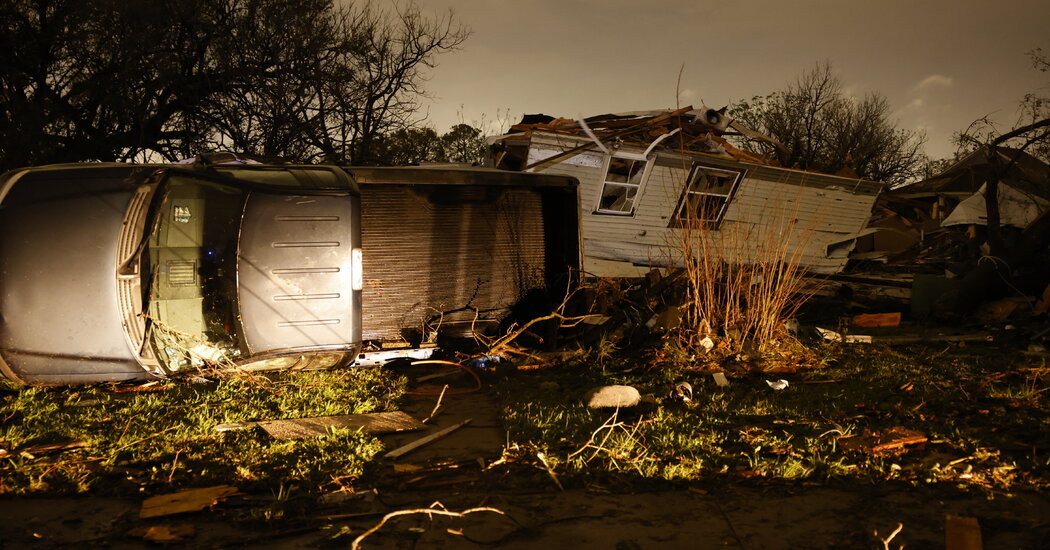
(798, 213)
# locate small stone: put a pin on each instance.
(612, 396)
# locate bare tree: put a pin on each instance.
(1031, 130)
(305, 80)
(823, 129)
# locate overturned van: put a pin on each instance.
(112, 272)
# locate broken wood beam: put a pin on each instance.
(620, 133)
(301, 428)
(405, 449)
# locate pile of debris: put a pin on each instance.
(970, 237)
(685, 130)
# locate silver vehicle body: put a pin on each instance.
(114, 272)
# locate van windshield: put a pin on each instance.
(191, 279)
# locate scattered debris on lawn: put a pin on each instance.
(189, 500)
(405, 449)
(375, 423)
(874, 442)
(437, 405)
(906, 338)
(778, 385)
(682, 391)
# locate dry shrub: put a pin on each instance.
(744, 278)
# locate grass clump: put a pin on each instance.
(164, 439)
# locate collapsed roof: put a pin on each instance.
(1011, 166)
(685, 130)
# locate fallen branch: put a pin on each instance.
(477, 381)
(886, 541)
(436, 509)
(436, 405)
(550, 471)
(503, 343)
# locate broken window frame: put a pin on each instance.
(642, 175)
(690, 189)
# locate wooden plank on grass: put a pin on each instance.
(962, 533)
(189, 500)
(374, 423)
(425, 440)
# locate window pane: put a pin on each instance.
(719, 184)
(701, 207)
(618, 198)
(625, 170)
(707, 195)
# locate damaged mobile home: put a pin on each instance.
(643, 174)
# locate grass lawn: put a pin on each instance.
(162, 437)
(983, 413)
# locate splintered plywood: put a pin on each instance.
(375, 423)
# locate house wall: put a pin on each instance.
(773, 211)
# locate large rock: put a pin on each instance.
(607, 397)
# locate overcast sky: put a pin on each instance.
(940, 63)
